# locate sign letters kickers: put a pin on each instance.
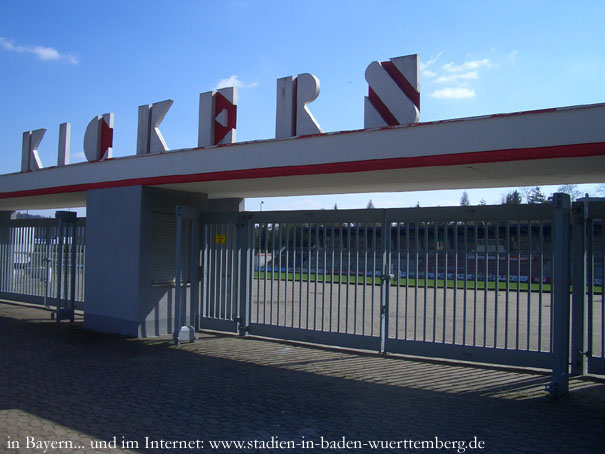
(393, 99)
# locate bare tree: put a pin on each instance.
(525, 193)
(572, 190)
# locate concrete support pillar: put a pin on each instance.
(6, 216)
(235, 205)
(113, 260)
(126, 230)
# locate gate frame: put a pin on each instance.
(558, 213)
(241, 244)
(346, 340)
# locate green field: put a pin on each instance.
(403, 282)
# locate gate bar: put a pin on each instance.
(246, 269)
(560, 329)
(64, 309)
(578, 244)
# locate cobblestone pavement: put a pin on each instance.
(62, 384)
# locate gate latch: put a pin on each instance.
(387, 277)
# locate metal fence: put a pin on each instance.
(588, 279)
(33, 257)
(467, 283)
(486, 283)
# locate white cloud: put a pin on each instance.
(233, 81)
(457, 77)
(430, 62)
(46, 53)
(43, 53)
(467, 66)
(429, 73)
(512, 55)
(453, 93)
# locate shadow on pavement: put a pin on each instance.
(61, 382)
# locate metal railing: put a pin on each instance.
(31, 260)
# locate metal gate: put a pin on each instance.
(42, 260)
(470, 283)
(317, 277)
(588, 339)
(226, 272)
(479, 284)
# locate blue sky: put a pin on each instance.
(72, 60)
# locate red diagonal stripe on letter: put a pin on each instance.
(409, 90)
(383, 110)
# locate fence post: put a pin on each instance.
(578, 268)
(182, 331)
(73, 268)
(385, 283)
(194, 273)
(6, 253)
(177, 282)
(65, 304)
(244, 241)
(560, 329)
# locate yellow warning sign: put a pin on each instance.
(220, 239)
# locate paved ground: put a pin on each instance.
(60, 383)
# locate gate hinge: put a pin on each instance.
(241, 326)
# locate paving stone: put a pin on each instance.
(60, 382)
